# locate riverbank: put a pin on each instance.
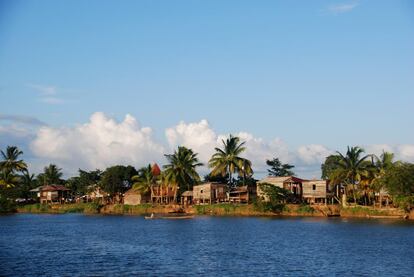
(218, 210)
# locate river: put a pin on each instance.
(85, 245)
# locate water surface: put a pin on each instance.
(83, 245)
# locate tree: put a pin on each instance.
(11, 162)
(275, 197)
(329, 166)
(351, 168)
(144, 180)
(399, 181)
(181, 169)
(278, 169)
(117, 179)
(52, 175)
(381, 165)
(227, 161)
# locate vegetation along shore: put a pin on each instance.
(353, 184)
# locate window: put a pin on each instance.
(314, 187)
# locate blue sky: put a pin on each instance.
(331, 73)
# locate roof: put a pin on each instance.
(274, 179)
(155, 169)
(54, 188)
(211, 183)
(187, 193)
(240, 189)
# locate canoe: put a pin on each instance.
(170, 217)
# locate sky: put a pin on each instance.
(90, 84)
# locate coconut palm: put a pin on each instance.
(8, 179)
(382, 164)
(351, 168)
(181, 169)
(52, 174)
(227, 161)
(145, 179)
(11, 162)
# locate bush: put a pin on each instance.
(6, 205)
(305, 209)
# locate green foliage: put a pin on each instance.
(399, 181)
(275, 198)
(279, 169)
(6, 205)
(305, 209)
(227, 161)
(117, 179)
(144, 180)
(52, 175)
(181, 168)
(329, 166)
(80, 185)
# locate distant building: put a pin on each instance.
(187, 198)
(135, 197)
(290, 183)
(53, 194)
(315, 191)
(163, 194)
(209, 193)
(242, 194)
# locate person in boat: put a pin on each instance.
(152, 215)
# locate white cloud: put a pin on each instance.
(103, 141)
(100, 143)
(313, 153)
(203, 139)
(342, 8)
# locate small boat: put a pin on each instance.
(185, 216)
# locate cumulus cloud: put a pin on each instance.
(342, 8)
(200, 137)
(313, 153)
(104, 141)
(100, 143)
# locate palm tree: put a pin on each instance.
(52, 174)
(351, 168)
(8, 179)
(227, 161)
(181, 169)
(11, 162)
(382, 164)
(145, 179)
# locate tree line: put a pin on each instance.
(357, 175)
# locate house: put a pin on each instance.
(163, 194)
(209, 193)
(53, 194)
(242, 194)
(290, 183)
(96, 194)
(187, 198)
(135, 197)
(315, 191)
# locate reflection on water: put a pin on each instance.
(79, 245)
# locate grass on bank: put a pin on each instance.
(89, 208)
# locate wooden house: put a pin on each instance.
(163, 194)
(242, 194)
(135, 197)
(290, 183)
(53, 194)
(187, 198)
(315, 191)
(210, 193)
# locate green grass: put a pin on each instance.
(305, 209)
(90, 208)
